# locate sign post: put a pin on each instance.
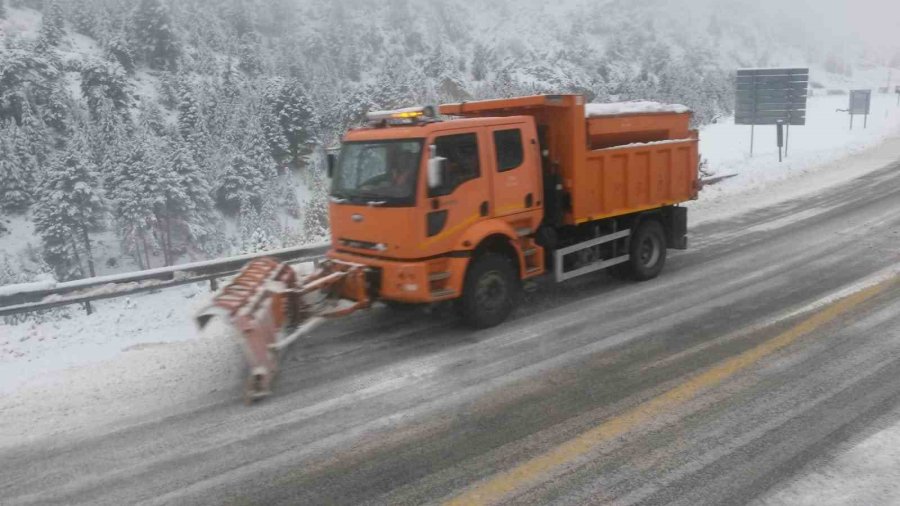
(897, 91)
(770, 96)
(860, 103)
(780, 137)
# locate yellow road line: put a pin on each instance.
(529, 473)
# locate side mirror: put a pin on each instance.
(437, 167)
(332, 163)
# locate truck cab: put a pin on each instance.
(414, 198)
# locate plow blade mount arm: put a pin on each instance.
(270, 308)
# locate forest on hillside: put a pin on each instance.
(196, 128)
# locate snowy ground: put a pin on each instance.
(864, 473)
(825, 139)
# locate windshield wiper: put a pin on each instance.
(376, 203)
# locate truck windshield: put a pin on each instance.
(378, 172)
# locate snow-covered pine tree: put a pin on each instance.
(18, 167)
(190, 116)
(117, 49)
(86, 16)
(52, 25)
(130, 190)
(27, 74)
(246, 178)
(482, 62)
(13, 196)
(57, 110)
(249, 55)
(155, 35)
(70, 206)
(151, 119)
(270, 120)
(315, 210)
(260, 230)
(240, 183)
(109, 138)
(104, 79)
(297, 117)
(182, 208)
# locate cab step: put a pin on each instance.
(438, 276)
(440, 294)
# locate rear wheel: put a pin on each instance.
(490, 292)
(646, 254)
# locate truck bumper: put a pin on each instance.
(411, 281)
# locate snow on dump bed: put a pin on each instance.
(632, 107)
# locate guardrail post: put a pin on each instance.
(88, 308)
(213, 284)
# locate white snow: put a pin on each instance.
(632, 107)
(25, 23)
(30, 350)
(645, 144)
(866, 473)
(820, 154)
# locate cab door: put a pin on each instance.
(515, 169)
(464, 197)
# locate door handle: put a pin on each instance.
(529, 200)
(484, 209)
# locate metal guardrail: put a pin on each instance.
(37, 298)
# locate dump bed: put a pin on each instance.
(613, 159)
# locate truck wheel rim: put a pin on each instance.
(648, 252)
(491, 291)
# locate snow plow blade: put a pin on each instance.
(270, 308)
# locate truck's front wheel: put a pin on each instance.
(490, 292)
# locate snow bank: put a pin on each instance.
(633, 107)
(867, 473)
(826, 140)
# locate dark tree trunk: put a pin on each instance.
(146, 249)
(87, 305)
(90, 254)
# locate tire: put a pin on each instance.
(491, 291)
(646, 253)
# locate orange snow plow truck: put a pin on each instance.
(467, 201)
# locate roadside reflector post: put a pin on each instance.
(787, 138)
